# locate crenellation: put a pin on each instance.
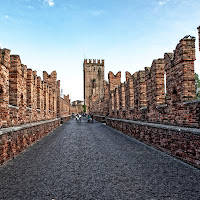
(93, 62)
(4, 87)
(129, 92)
(24, 97)
(5, 57)
(128, 76)
(114, 80)
(157, 94)
(180, 86)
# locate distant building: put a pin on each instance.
(77, 102)
(77, 106)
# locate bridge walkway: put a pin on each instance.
(81, 160)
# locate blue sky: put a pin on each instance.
(56, 34)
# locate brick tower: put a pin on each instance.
(93, 72)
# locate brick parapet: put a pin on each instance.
(180, 72)
(94, 62)
(24, 97)
(155, 87)
(4, 96)
(114, 80)
(122, 102)
(161, 92)
(116, 102)
(5, 57)
(14, 140)
(180, 142)
(140, 90)
(106, 97)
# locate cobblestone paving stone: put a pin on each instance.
(90, 161)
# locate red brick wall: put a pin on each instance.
(114, 80)
(129, 91)
(155, 87)
(24, 97)
(143, 95)
(106, 98)
(181, 143)
(13, 142)
(180, 72)
(4, 87)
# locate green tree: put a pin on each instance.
(197, 86)
(84, 108)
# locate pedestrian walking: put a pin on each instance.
(80, 117)
(89, 118)
(92, 116)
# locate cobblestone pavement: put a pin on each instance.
(86, 161)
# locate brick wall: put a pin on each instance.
(24, 97)
(180, 142)
(93, 80)
(162, 100)
(114, 80)
(4, 87)
(163, 93)
(15, 140)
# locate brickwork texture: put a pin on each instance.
(24, 99)
(157, 105)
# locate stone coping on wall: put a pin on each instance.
(25, 126)
(161, 106)
(11, 106)
(161, 126)
(193, 101)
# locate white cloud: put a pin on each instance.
(49, 2)
(163, 2)
(5, 18)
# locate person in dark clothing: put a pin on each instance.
(92, 117)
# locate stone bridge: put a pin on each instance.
(46, 155)
(81, 160)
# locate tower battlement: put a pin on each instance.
(94, 61)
